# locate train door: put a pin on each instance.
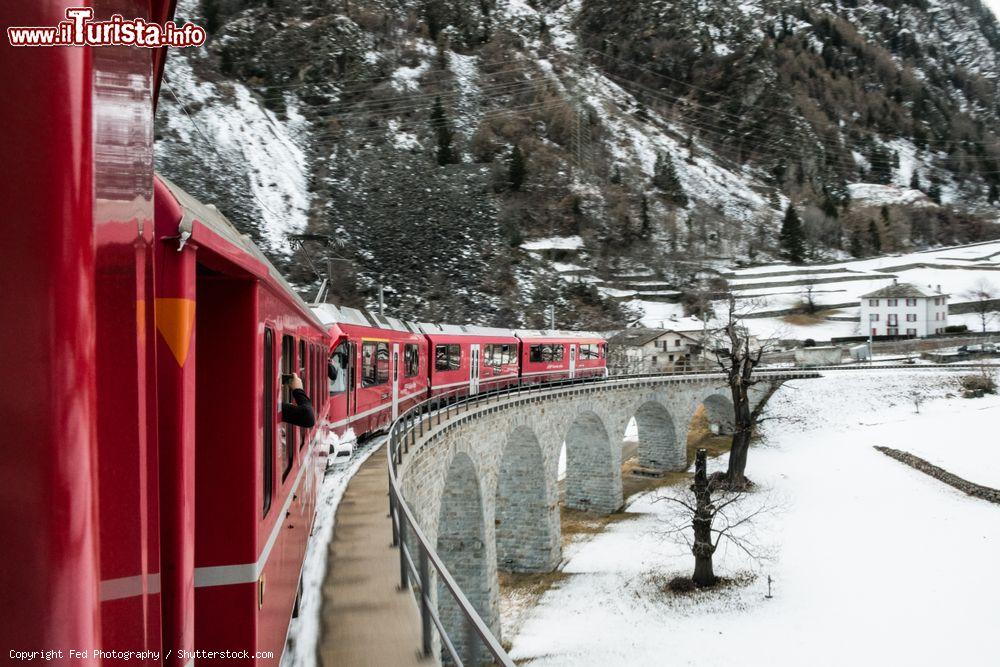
(474, 370)
(395, 381)
(572, 360)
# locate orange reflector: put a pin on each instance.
(175, 322)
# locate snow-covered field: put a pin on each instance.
(873, 562)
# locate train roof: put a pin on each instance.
(211, 218)
(431, 329)
(554, 333)
(331, 314)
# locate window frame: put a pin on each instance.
(289, 432)
(269, 407)
(409, 359)
(377, 377)
(451, 351)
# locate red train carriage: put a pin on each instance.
(470, 359)
(377, 369)
(556, 355)
(79, 489)
(238, 486)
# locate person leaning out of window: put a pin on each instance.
(299, 413)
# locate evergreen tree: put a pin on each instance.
(857, 250)
(934, 192)
(517, 170)
(881, 161)
(915, 181)
(440, 125)
(994, 193)
(792, 237)
(646, 223)
(874, 237)
(665, 179)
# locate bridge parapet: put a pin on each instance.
(474, 482)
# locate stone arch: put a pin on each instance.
(719, 410)
(593, 466)
(527, 510)
(461, 544)
(658, 446)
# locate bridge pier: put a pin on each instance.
(593, 467)
(527, 508)
(466, 546)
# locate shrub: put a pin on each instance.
(976, 386)
(956, 328)
(681, 585)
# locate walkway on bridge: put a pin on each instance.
(366, 619)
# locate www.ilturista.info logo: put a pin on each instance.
(81, 30)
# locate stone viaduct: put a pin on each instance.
(484, 484)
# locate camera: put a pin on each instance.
(286, 378)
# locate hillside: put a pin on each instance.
(483, 160)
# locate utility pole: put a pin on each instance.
(381, 300)
(552, 318)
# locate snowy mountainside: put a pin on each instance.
(432, 139)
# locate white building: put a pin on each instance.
(640, 350)
(902, 309)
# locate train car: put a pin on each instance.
(470, 359)
(79, 493)
(238, 486)
(377, 368)
(546, 356)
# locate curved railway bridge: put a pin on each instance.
(474, 483)
(474, 488)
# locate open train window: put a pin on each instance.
(447, 357)
(268, 439)
(374, 363)
(305, 376)
(411, 360)
(536, 353)
(286, 443)
(557, 352)
(337, 369)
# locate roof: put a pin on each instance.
(903, 291)
(213, 219)
(554, 333)
(640, 336)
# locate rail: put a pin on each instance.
(418, 420)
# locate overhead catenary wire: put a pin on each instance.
(722, 96)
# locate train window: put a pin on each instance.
(589, 351)
(447, 357)
(382, 363)
(267, 457)
(374, 363)
(557, 352)
(509, 354)
(411, 360)
(305, 376)
(286, 440)
(536, 353)
(337, 369)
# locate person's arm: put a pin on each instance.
(301, 412)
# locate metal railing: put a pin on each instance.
(422, 418)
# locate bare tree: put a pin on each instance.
(918, 398)
(809, 297)
(984, 297)
(709, 514)
(738, 359)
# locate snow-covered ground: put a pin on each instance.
(303, 633)
(873, 563)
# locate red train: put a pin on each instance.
(152, 498)
(380, 366)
